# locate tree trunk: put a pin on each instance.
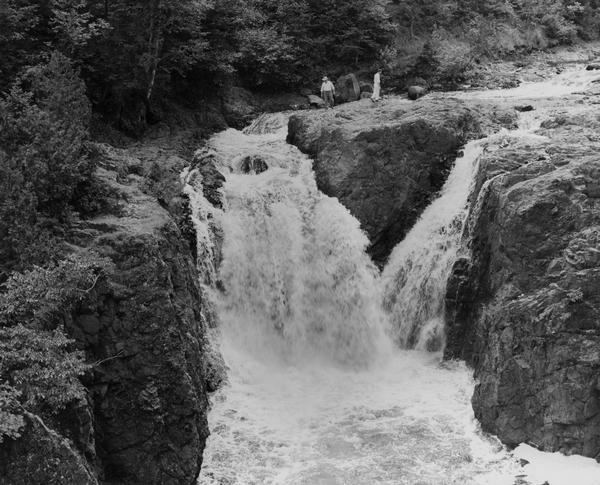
(154, 45)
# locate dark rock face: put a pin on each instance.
(386, 164)
(41, 456)
(147, 325)
(254, 164)
(524, 307)
(212, 179)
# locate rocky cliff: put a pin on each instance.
(144, 326)
(386, 161)
(523, 307)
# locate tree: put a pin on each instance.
(43, 127)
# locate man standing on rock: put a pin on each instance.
(376, 86)
(327, 92)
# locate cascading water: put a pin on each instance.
(319, 391)
(418, 268)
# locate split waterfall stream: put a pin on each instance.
(335, 373)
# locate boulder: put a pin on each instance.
(415, 92)
(385, 165)
(523, 108)
(253, 164)
(316, 101)
(523, 306)
(347, 88)
(593, 67)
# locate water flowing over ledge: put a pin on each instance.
(318, 390)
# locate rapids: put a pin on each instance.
(335, 373)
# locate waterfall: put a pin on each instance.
(296, 275)
(319, 390)
(415, 277)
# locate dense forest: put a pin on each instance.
(65, 64)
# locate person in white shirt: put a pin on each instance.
(376, 86)
(327, 92)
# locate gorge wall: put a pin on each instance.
(144, 326)
(523, 307)
(386, 162)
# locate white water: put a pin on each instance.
(317, 392)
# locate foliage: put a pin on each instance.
(74, 25)
(40, 297)
(42, 366)
(43, 126)
(17, 19)
(39, 367)
(11, 417)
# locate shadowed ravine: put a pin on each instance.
(335, 372)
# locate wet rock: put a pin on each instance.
(316, 101)
(347, 88)
(415, 92)
(253, 164)
(385, 165)
(212, 178)
(523, 307)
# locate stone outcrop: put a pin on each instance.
(144, 325)
(148, 327)
(523, 307)
(385, 162)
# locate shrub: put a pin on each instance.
(40, 297)
(39, 365)
(559, 28)
(444, 59)
(43, 125)
(11, 417)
